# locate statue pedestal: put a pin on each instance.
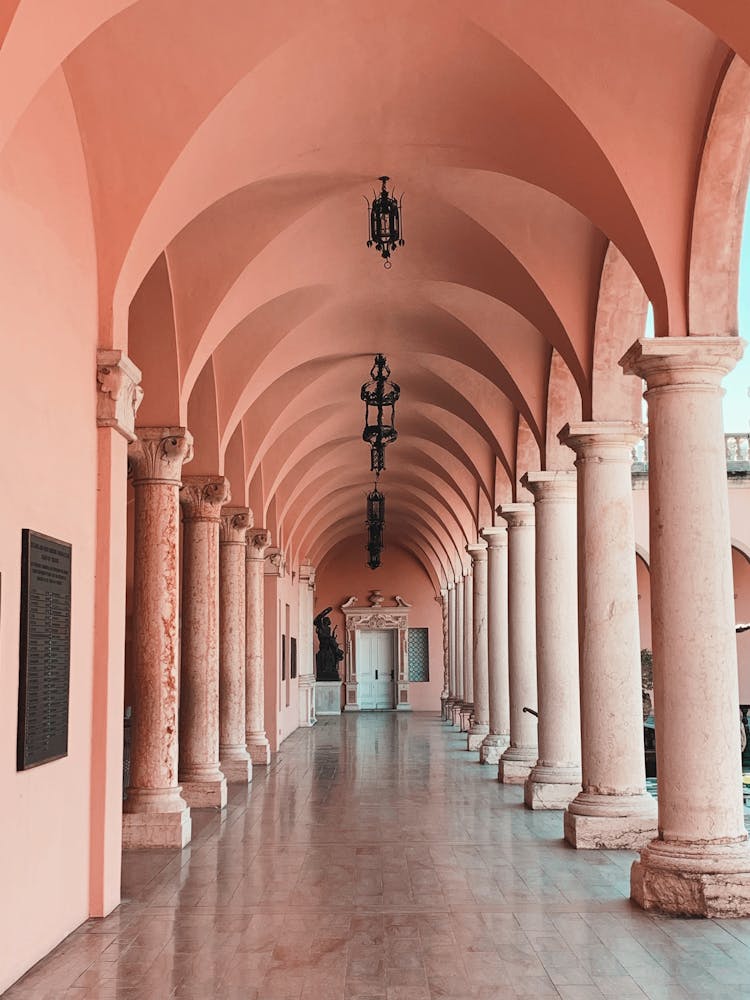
(328, 698)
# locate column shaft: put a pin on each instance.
(203, 784)
(556, 778)
(700, 863)
(613, 810)
(155, 813)
(498, 738)
(257, 742)
(459, 653)
(467, 633)
(480, 723)
(453, 697)
(442, 600)
(521, 755)
(234, 759)
(306, 675)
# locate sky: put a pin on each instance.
(736, 401)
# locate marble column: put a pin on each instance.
(459, 652)
(306, 672)
(480, 722)
(442, 600)
(498, 738)
(453, 696)
(201, 499)
(613, 810)
(700, 862)
(556, 777)
(154, 813)
(521, 755)
(467, 707)
(234, 760)
(258, 746)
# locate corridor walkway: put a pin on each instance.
(373, 860)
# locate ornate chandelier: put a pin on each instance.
(385, 222)
(379, 396)
(375, 524)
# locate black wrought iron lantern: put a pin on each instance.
(386, 231)
(379, 396)
(375, 525)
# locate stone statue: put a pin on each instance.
(329, 653)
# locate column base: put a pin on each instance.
(549, 787)
(516, 764)
(443, 704)
(456, 713)
(259, 749)
(693, 880)
(465, 717)
(476, 736)
(614, 822)
(492, 748)
(237, 770)
(306, 695)
(155, 817)
(204, 792)
(328, 698)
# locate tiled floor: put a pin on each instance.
(375, 859)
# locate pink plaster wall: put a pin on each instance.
(48, 411)
(741, 570)
(644, 602)
(344, 572)
(281, 719)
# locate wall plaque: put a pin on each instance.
(43, 689)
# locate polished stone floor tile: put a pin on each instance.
(374, 859)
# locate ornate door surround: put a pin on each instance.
(376, 617)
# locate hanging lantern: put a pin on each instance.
(379, 396)
(375, 524)
(385, 222)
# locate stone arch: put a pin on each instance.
(620, 321)
(720, 209)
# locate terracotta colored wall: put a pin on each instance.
(345, 572)
(48, 420)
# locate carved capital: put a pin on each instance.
(307, 575)
(275, 563)
(119, 392)
(258, 540)
(158, 453)
(202, 497)
(234, 525)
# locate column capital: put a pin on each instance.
(234, 525)
(275, 562)
(202, 497)
(258, 540)
(119, 394)
(518, 515)
(307, 574)
(496, 536)
(450, 585)
(158, 453)
(477, 551)
(606, 440)
(554, 485)
(682, 361)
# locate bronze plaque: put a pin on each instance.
(43, 689)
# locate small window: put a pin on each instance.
(419, 655)
(292, 658)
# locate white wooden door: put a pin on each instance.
(375, 668)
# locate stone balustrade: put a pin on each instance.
(737, 447)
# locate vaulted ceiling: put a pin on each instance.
(227, 148)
